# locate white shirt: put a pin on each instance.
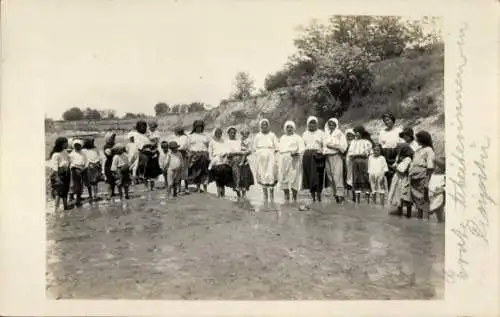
(377, 165)
(140, 140)
(198, 142)
(183, 141)
(360, 147)
(313, 140)
(390, 139)
(291, 144)
(267, 141)
(78, 159)
(59, 160)
(336, 139)
(92, 155)
(132, 150)
(119, 160)
(171, 161)
(216, 151)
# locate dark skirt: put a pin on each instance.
(222, 175)
(149, 165)
(122, 176)
(390, 155)
(94, 173)
(313, 171)
(60, 182)
(198, 167)
(360, 178)
(78, 179)
(242, 174)
(420, 193)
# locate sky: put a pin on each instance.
(129, 55)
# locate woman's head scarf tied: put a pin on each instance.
(289, 124)
(336, 130)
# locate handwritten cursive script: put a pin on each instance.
(458, 192)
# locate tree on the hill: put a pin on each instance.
(176, 108)
(129, 115)
(73, 114)
(243, 86)
(161, 109)
(196, 106)
(91, 114)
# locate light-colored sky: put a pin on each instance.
(129, 55)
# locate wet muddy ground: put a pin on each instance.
(201, 247)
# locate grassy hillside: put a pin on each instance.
(411, 87)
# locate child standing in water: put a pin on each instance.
(377, 167)
(120, 167)
(359, 151)
(437, 192)
(172, 169)
(60, 176)
(94, 169)
(245, 173)
(78, 164)
(420, 171)
(399, 193)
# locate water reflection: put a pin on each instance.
(152, 248)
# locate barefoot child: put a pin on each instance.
(94, 169)
(60, 172)
(420, 172)
(377, 167)
(399, 193)
(172, 168)
(78, 164)
(359, 151)
(120, 167)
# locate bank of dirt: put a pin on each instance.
(201, 247)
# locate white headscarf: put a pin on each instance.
(311, 118)
(261, 122)
(349, 131)
(213, 134)
(327, 128)
(289, 123)
(77, 141)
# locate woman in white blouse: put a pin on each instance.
(389, 138)
(198, 155)
(265, 146)
(219, 170)
(291, 146)
(334, 146)
(359, 150)
(60, 176)
(313, 160)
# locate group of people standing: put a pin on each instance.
(397, 169)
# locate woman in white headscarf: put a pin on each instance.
(334, 147)
(313, 160)
(291, 146)
(266, 170)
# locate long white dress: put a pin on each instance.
(266, 169)
(290, 169)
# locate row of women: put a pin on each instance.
(399, 166)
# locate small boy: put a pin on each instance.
(120, 167)
(172, 168)
(377, 167)
(437, 192)
(78, 165)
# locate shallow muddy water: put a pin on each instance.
(201, 247)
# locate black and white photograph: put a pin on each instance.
(244, 158)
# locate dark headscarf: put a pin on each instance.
(407, 132)
(424, 138)
(89, 144)
(59, 145)
(198, 123)
(365, 135)
(389, 116)
(404, 150)
(179, 131)
(141, 127)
